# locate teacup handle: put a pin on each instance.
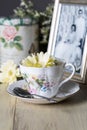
(71, 75)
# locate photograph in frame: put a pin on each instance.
(68, 37)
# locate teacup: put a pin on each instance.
(46, 81)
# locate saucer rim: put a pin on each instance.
(39, 100)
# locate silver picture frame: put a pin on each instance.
(68, 36)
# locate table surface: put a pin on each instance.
(70, 114)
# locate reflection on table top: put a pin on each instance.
(70, 114)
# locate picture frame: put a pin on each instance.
(68, 36)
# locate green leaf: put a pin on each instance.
(5, 44)
(18, 46)
(18, 38)
(2, 39)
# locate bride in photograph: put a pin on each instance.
(69, 50)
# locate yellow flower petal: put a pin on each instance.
(39, 60)
(8, 72)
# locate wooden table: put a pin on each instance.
(70, 114)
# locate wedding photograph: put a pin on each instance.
(68, 37)
(71, 34)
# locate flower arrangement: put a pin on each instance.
(45, 23)
(37, 69)
(26, 9)
(40, 60)
(9, 71)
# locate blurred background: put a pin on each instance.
(29, 39)
(7, 6)
(37, 36)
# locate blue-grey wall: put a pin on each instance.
(7, 6)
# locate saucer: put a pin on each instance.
(65, 91)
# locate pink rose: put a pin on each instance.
(32, 91)
(9, 32)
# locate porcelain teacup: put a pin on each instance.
(46, 81)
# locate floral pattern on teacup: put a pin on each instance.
(44, 88)
(10, 38)
(32, 90)
(38, 83)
